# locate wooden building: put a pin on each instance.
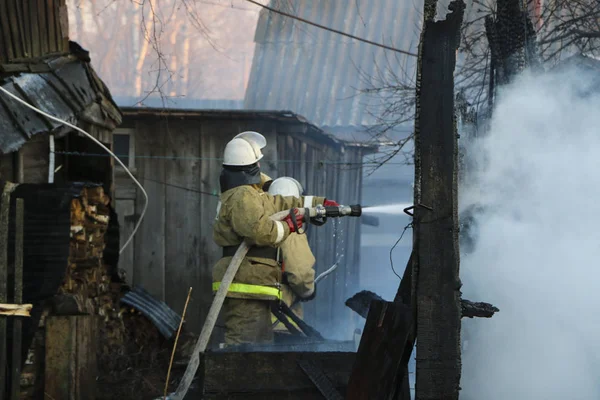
(40, 65)
(176, 156)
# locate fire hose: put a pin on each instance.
(319, 212)
(297, 300)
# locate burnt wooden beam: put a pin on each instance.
(477, 309)
(435, 221)
(227, 374)
(361, 301)
(377, 365)
(316, 375)
(15, 372)
(4, 218)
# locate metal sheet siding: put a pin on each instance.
(319, 74)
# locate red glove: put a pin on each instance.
(290, 220)
(330, 203)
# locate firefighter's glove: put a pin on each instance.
(294, 221)
(330, 203)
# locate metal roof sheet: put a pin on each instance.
(319, 74)
(67, 89)
(165, 319)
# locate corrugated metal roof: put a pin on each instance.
(64, 87)
(319, 74)
(165, 319)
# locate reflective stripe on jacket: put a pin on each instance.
(244, 288)
(245, 215)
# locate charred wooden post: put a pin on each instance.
(71, 369)
(436, 265)
(379, 355)
(361, 302)
(15, 372)
(4, 213)
(512, 39)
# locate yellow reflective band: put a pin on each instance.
(250, 289)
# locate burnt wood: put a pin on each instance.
(267, 373)
(379, 355)
(435, 223)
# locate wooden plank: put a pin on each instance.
(183, 210)
(35, 156)
(149, 266)
(7, 44)
(378, 358)
(63, 26)
(211, 146)
(14, 28)
(70, 365)
(264, 372)
(51, 18)
(23, 27)
(436, 227)
(43, 27)
(17, 299)
(4, 219)
(125, 209)
(36, 49)
(7, 167)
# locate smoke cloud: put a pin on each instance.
(537, 244)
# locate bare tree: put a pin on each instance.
(152, 48)
(560, 28)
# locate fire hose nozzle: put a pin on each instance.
(338, 211)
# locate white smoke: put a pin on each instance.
(537, 255)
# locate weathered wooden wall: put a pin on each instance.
(44, 29)
(177, 162)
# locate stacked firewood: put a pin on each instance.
(88, 289)
(87, 277)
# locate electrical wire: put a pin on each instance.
(408, 53)
(286, 161)
(99, 144)
(394, 246)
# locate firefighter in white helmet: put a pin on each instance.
(244, 215)
(295, 257)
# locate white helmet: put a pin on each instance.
(244, 149)
(286, 186)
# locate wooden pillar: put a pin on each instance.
(71, 368)
(436, 268)
(4, 218)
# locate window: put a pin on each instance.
(124, 147)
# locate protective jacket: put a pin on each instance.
(298, 266)
(298, 263)
(244, 214)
